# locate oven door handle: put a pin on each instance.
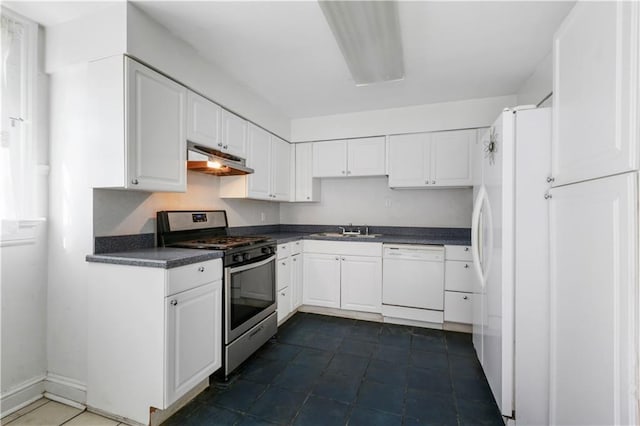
(252, 265)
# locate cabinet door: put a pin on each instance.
(234, 134)
(193, 338)
(156, 137)
(203, 121)
(595, 102)
(409, 160)
(366, 157)
(296, 280)
(458, 276)
(307, 188)
(451, 158)
(361, 285)
(284, 303)
(330, 159)
(321, 280)
(283, 273)
(594, 302)
(280, 169)
(259, 159)
(458, 307)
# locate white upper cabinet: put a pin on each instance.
(137, 127)
(234, 134)
(203, 121)
(259, 159)
(451, 160)
(330, 159)
(354, 157)
(438, 159)
(270, 158)
(307, 188)
(366, 157)
(595, 92)
(280, 169)
(409, 160)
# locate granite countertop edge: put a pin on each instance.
(387, 239)
(165, 258)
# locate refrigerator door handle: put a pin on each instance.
(477, 236)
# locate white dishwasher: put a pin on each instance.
(413, 276)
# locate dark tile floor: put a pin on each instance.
(325, 370)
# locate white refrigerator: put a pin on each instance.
(510, 247)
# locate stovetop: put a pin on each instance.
(221, 242)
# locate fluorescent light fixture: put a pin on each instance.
(368, 34)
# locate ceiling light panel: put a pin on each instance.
(368, 34)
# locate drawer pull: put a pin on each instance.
(466, 249)
(284, 263)
(282, 294)
(174, 302)
(466, 266)
(201, 269)
(253, 333)
(466, 297)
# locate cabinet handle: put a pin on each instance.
(348, 172)
(550, 179)
(466, 249)
(343, 258)
(284, 263)
(466, 266)
(308, 198)
(433, 182)
(295, 260)
(548, 196)
(343, 172)
(337, 258)
(282, 294)
(134, 181)
(226, 146)
(174, 302)
(427, 181)
(219, 143)
(466, 297)
(201, 269)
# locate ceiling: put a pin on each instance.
(285, 51)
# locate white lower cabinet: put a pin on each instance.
(153, 335)
(458, 307)
(321, 280)
(459, 279)
(345, 275)
(296, 280)
(361, 283)
(289, 279)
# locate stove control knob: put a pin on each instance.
(237, 258)
(267, 250)
(247, 257)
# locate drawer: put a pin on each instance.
(295, 247)
(284, 303)
(457, 307)
(283, 250)
(194, 275)
(458, 253)
(347, 248)
(283, 273)
(458, 276)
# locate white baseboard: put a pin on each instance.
(22, 395)
(343, 313)
(65, 390)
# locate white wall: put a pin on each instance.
(152, 43)
(421, 118)
(71, 229)
(370, 201)
(132, 212)
(23, 292)
(539, 85)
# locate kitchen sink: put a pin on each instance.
(340, 235)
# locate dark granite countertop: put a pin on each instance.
(166, 258)
(285, 237)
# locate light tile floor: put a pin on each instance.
(45, 412)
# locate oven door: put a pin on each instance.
(250, 296)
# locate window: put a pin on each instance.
(18, 86)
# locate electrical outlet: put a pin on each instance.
(263, 217)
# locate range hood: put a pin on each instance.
(216, 162)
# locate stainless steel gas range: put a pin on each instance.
(249, 287)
